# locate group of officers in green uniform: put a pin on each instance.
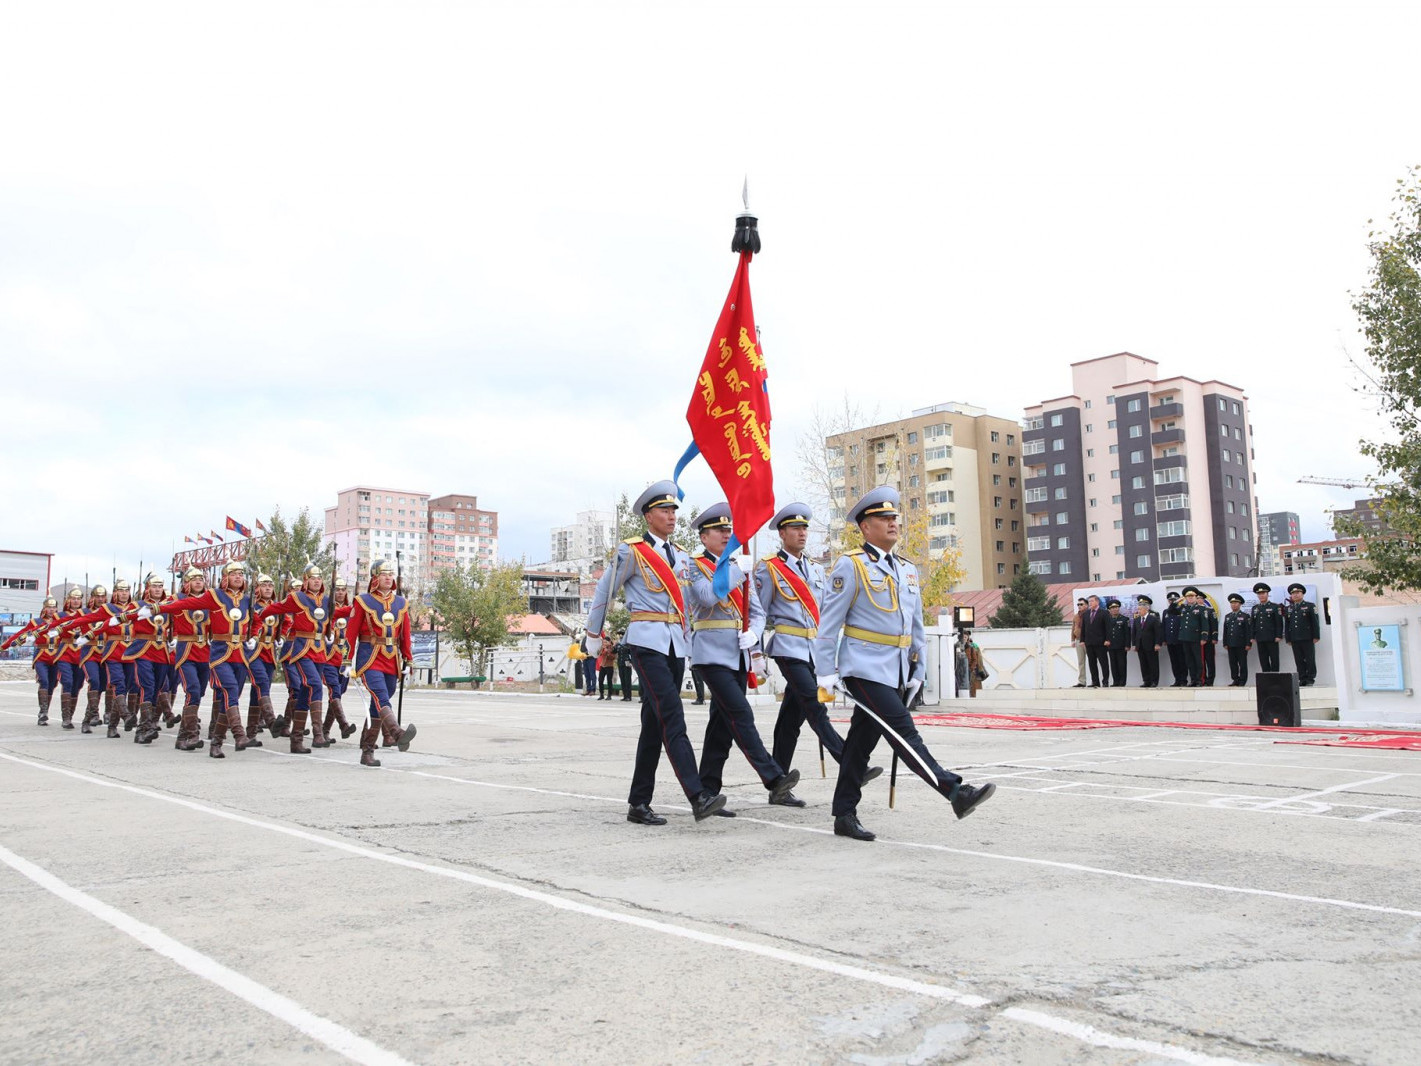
(1190, 629)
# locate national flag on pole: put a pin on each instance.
(260, 526)
(205, 540)
(729, 413)
(188, 540)
(237, 527)
(217, 536)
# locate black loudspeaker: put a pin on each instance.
(1278, 702)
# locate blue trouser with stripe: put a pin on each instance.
(195, 678)
(71, 678)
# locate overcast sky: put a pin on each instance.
(250, 255)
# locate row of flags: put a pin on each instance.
(232, 526)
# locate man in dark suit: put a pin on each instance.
(1094, 627)
(1147, 635)
(1117, 641)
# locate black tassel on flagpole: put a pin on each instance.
(747, 236)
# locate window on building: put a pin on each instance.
(1011, 438)
(1015, 525)
(1115, 500)
(1119, 523)
(1063, 543)
(1143, 562)
(1115, 449)
(1233, 533)
(912, 503)
(1223, 430)
(1089, 428)
(1228, 481)
(1063, 518)
(996, 523)
(1178, 528)
(1137, 431)
(1057, 420)
(912, 436)
(1233, 560)
(1060, 493)
(1001, 568)
(1137, 482)
(996, 479)
(1090, 478)
(913, 481)
(1063, 567)
(1041, 567)
(1243, 508)
(1093, 501)
(1095, 553)
(1235, 407)
(1095, 527)
(1058, 469)
(1142, 534)
(1238, 433)
(1110, 424)
(1001, 545)
(1141, 507)
(1137, 457)
(1110, 399)
(1058, 445)
(996, 501)
(1132, 406)
(1115, 475)
(1011, 482)
(996, 436)
(1090, 453)
(1119, 549)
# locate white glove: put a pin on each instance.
(594, 645)
(145, 612)
(913, 687)
(113, 621)
(830, 683)
(251, 645)
(748, 639)
(82, 642)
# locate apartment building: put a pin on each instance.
(369, 523)
(460, 533)
(1365, 512)
(1133, 475)
(954, 464)
(584, 545)
(1275, 529)
(1323, 555)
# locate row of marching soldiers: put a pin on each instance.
(136, 654)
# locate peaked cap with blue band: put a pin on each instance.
(716, 516)
(661, 494)
(792, 514)
(880, 502)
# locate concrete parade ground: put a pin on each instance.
(1130, 895)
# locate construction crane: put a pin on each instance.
(1341, 483)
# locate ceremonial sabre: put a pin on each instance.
(897, 743)
(400, 704)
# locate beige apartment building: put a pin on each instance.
(953, 463)
(370, 523)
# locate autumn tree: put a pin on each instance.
(288, 548)
(1390, 312)
(477, 606)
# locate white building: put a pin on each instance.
(370, 523)
(584, 545)
(24, 581)
(461, 533)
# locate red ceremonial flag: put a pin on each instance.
(188, 540)
(729, 413)
(237, 527)
(217, 537)
(260, 526)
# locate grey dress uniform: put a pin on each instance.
(657, 637)
(716, 626)
(790, 630)
(875, 605)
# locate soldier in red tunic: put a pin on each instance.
(46, 638)
(337, 652)
(261, 649)
(379, 631)
(148, 653)
(112, 627)
(228, 609)
(71, 673)
(191, 661)
(304, 653)
(90, 647)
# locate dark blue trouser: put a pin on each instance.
(261, 680)
(336, 682)
(308, 683)
(732, 719)
(71, 678)
(663, 724)
(228, 680)
(47, 674)
(152, 677)
(94, 674)
(382, 688)
(195, 678)
(865, 729)
(801, 701)
(121, 677)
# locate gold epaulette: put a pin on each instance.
(769, 558)
(633, 540)
(854, 551)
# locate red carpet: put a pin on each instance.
(1347, 740)
(1369, 738)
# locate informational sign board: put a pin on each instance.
(422, 646)
(1379, 653)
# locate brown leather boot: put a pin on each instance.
(66, 709)
(336, 710)
(283, 722)
(368, 736)
(165, 708)
(253, 724)
(234, 723)
(400, 738)
(147, 725)
(269, 720)
(130, 718)
(189, 730)
(298, 731)
(45, 695)
(216, 733)
(91, 711)
(318, 735)
(115, 716)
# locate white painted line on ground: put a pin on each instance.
(1328, 791)
(1021, 859)
(1085, 1033)
(858, 973)
(336, 1037)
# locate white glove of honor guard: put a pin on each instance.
(594, 644)
(748, 639)
(830, 683)
(913, 687)
(145, 612)
(113, 621)
(250, 645)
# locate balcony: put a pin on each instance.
(1167, 461)
(1166, 410)
(1167, 436)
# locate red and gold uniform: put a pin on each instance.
(111, 627)
(90, 648)
(379, 631)
(337, 654)
(71, 673)
(45, 633)
(190, 659)
(148, 652)
(228, 610)
(262, 657)
(306, 611)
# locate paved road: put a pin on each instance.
(1129, 896)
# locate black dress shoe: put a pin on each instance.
(789, 799)
(698, 703)
(706, 804)
(967, 797)
(1079, 685)
(725, 813)
(642, 814)
(780, 786)
(871, 773)
(848, 825)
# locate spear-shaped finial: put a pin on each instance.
(747, 235)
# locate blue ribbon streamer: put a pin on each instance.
(720, 583)
(686, 457)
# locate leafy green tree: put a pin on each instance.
(289, 549)
(1390, 312)
(476, 606)
(1025, 605)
